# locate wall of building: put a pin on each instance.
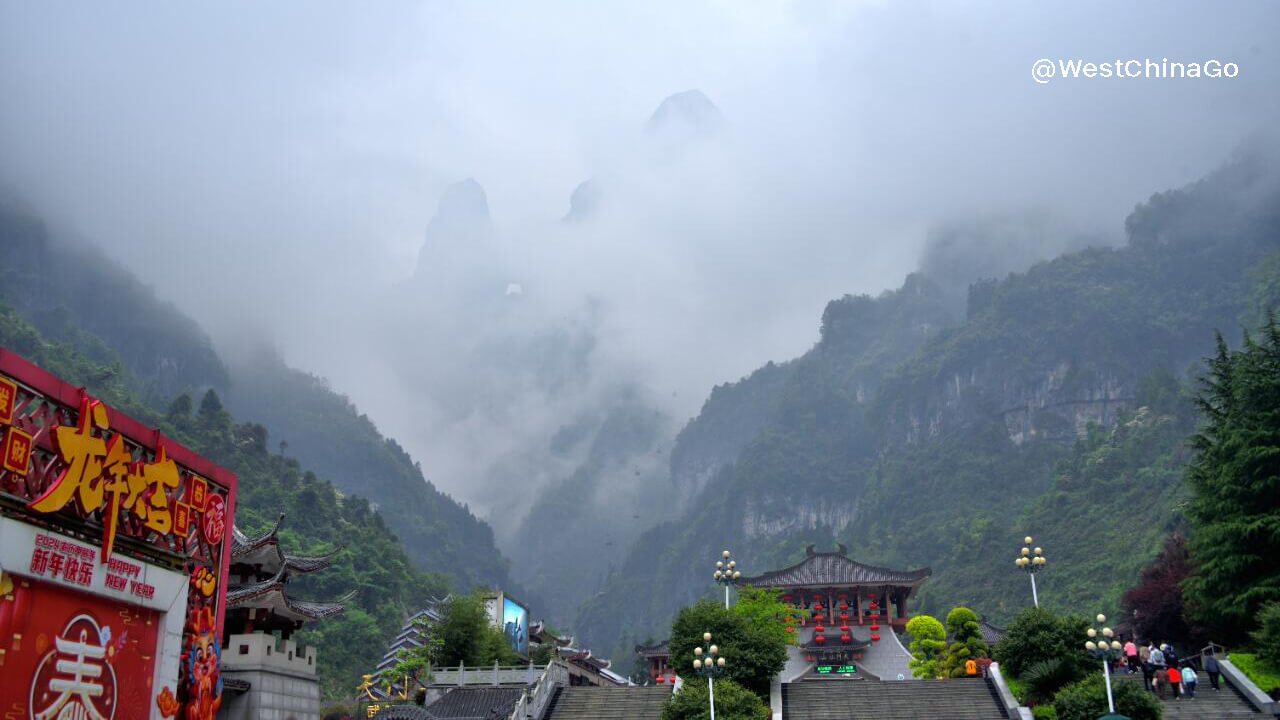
(281, 676)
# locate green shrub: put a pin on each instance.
(1044, 712)
(1043, 679)
(733, 702)
(1267, 637)
(1087, 700)
(1037, 635)
(1263, 674)
(966, 642)
(928, 646)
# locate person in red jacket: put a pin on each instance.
(1175, 681)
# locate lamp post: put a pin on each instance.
(710, 666)
(727, 574)
(1106, 649)
(1032, 564)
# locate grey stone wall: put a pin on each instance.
(273, 695)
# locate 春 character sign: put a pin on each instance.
(79, 656)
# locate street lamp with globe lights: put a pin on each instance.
(1032, 564)
(727, 574)
(1103, 645)
(709, 665)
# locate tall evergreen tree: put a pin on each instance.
(1235, 487)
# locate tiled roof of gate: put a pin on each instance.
(835, 569)
(475, 703)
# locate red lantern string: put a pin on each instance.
(875, 638)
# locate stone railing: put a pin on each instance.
(495, 675)
(532, 705)
(1007, 699)
(1248, 689)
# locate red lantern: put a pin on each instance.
(817, 606)
(843, 596)
(875, 638)
(820, 639)
(844, 638)
(844, 616)
(786, 598)
(844, 606)
(844, 628)
(873, 606)
(874, 627)
(672, 679)
(661, 679)
(819, 628)
(790, 629)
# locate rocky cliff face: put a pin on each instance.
(922, 438)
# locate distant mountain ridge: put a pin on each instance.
(919, 432)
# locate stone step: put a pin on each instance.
(956, 699)
(622, 703)
(1208, 704)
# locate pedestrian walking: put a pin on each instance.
(1131, 652)
(1211, 666)
(1175, 680)
(1144, 653)
(1189, 681)
(1157, 658)
(1148, 672)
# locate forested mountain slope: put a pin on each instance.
(387, 584)
(72, 292)
(1053, 407)
(325, 430)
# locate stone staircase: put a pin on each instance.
(956, 699)
(597, 703)
(1225, 704)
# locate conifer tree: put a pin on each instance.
(1234, 480)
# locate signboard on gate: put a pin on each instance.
(81, 656)
(113, 539)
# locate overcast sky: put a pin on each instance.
(271, 166)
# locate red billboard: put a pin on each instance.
(114, 548)
(78, 655)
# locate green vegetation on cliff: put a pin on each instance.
(372, 563)
(1056, 407)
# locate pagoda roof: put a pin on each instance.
(538, 632)
(270, 595)
(583, 657)
(264, 552)
(662, 649)
(835, 570)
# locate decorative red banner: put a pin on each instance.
(69, 654)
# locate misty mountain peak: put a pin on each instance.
(462, 201)
(582, 203)
(685, 115)
(462, 217)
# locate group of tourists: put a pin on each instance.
(1161, 668)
